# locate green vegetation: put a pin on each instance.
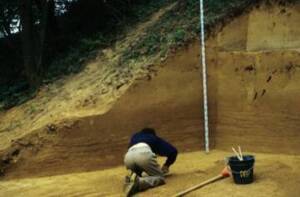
(88, 48)
(174, 30)
(15, 95)
(83, 47)
(181, 25)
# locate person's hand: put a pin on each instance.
(165, 169)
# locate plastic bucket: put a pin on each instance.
(242, 171)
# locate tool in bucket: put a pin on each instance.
(238, 154)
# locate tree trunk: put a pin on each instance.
(28, 43)
(47, 27)
(43, 35)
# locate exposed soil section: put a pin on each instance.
(256, 69)
(169, 102)
(91, 92)
(253, 102)
(250, 32)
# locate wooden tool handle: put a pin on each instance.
(240, 151)
(199, 185)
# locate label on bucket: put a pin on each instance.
(245, 173)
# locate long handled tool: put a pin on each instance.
(225, 173)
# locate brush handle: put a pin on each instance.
(199, 185)
(240, 151)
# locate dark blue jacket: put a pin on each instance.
(158, 145)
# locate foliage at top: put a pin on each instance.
(61, 37)
(181, 25)
(44, 40)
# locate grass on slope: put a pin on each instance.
(181, 25)
(174, 30)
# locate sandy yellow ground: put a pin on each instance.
(275, 175)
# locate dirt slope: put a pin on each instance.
(97, 142)
(91, 92)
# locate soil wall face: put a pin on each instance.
(274, 28)
(257, 101)
(258, 91)
(170, 101)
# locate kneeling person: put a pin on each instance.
(141, 157)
